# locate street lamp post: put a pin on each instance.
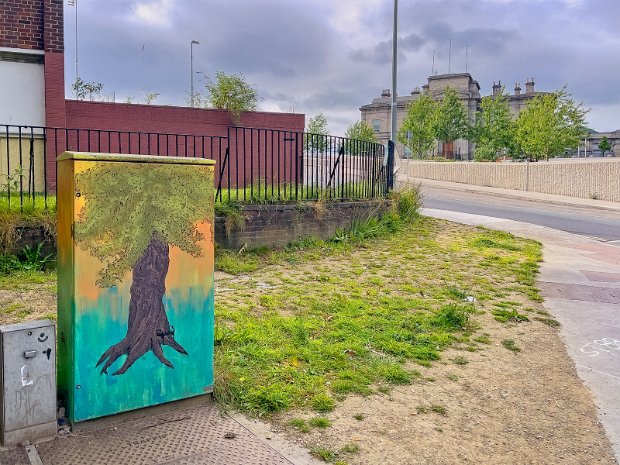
(394, 60)
(191, 57)
(74, 3)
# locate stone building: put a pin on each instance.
(378, 113)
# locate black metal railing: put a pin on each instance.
(269, 165)
(252, 165)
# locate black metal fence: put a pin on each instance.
(252, 165)
(268, 165)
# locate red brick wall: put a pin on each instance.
(169, 119)
(21, 24)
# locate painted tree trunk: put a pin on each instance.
(148, 327)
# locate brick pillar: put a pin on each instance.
(55, 115)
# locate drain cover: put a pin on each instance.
(198, 436)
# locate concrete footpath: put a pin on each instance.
(580, 280)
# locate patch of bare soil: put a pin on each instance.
(36, 302)
(502, 407)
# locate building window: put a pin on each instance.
(376, 125)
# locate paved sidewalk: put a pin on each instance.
(580, 280)
(191, 432)
(511, 193)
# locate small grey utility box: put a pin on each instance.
(28, 382)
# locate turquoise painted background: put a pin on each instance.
(103, 322)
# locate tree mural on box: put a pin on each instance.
(132, 214)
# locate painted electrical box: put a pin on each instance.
(135, 281)
(28, 381)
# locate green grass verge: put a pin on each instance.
(323, 320)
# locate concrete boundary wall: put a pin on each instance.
(594, 179)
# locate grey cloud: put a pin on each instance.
(382, 52)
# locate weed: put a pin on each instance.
(440, 409)
(323, 453)
(422, 409)
(322, 403)
(460, 360)
(484, 339)
(453, 316)
(509, 315)
(452, 377)
(511, 345)
(548, 321)
(359, 417)
(350, 448)
(320, 422)
(300, 424)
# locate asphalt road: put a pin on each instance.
(590, 222)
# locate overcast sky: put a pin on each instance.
(332, 56)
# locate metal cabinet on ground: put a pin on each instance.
(28, 380)
(135, 281)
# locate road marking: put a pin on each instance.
(607, 344)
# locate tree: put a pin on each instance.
(316, 133)
(493, 129)
(82, 89)
(419, 122)
(451, 122)
(604, 145)
(130, 218)
(361, 130)
(150, 97)
(549, 125)
(231, 92)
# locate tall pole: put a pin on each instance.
(450, 57)
(394, 60)
(466, 56)
(191, 68)
(74, 3)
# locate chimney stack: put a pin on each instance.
(415, 91)
(386, 93)
(497, 88)
(529, 86)
(517, 89)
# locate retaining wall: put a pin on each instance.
(273, 226)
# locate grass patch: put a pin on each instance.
(342, 317)
(505, 316)
(323, 453)
(548, 321)
(511, 345)
(320, 422)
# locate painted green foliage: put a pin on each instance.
(132, 214)
(549, 125)
(419, 123)
(127, 203)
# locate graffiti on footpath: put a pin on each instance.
(598, 346)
